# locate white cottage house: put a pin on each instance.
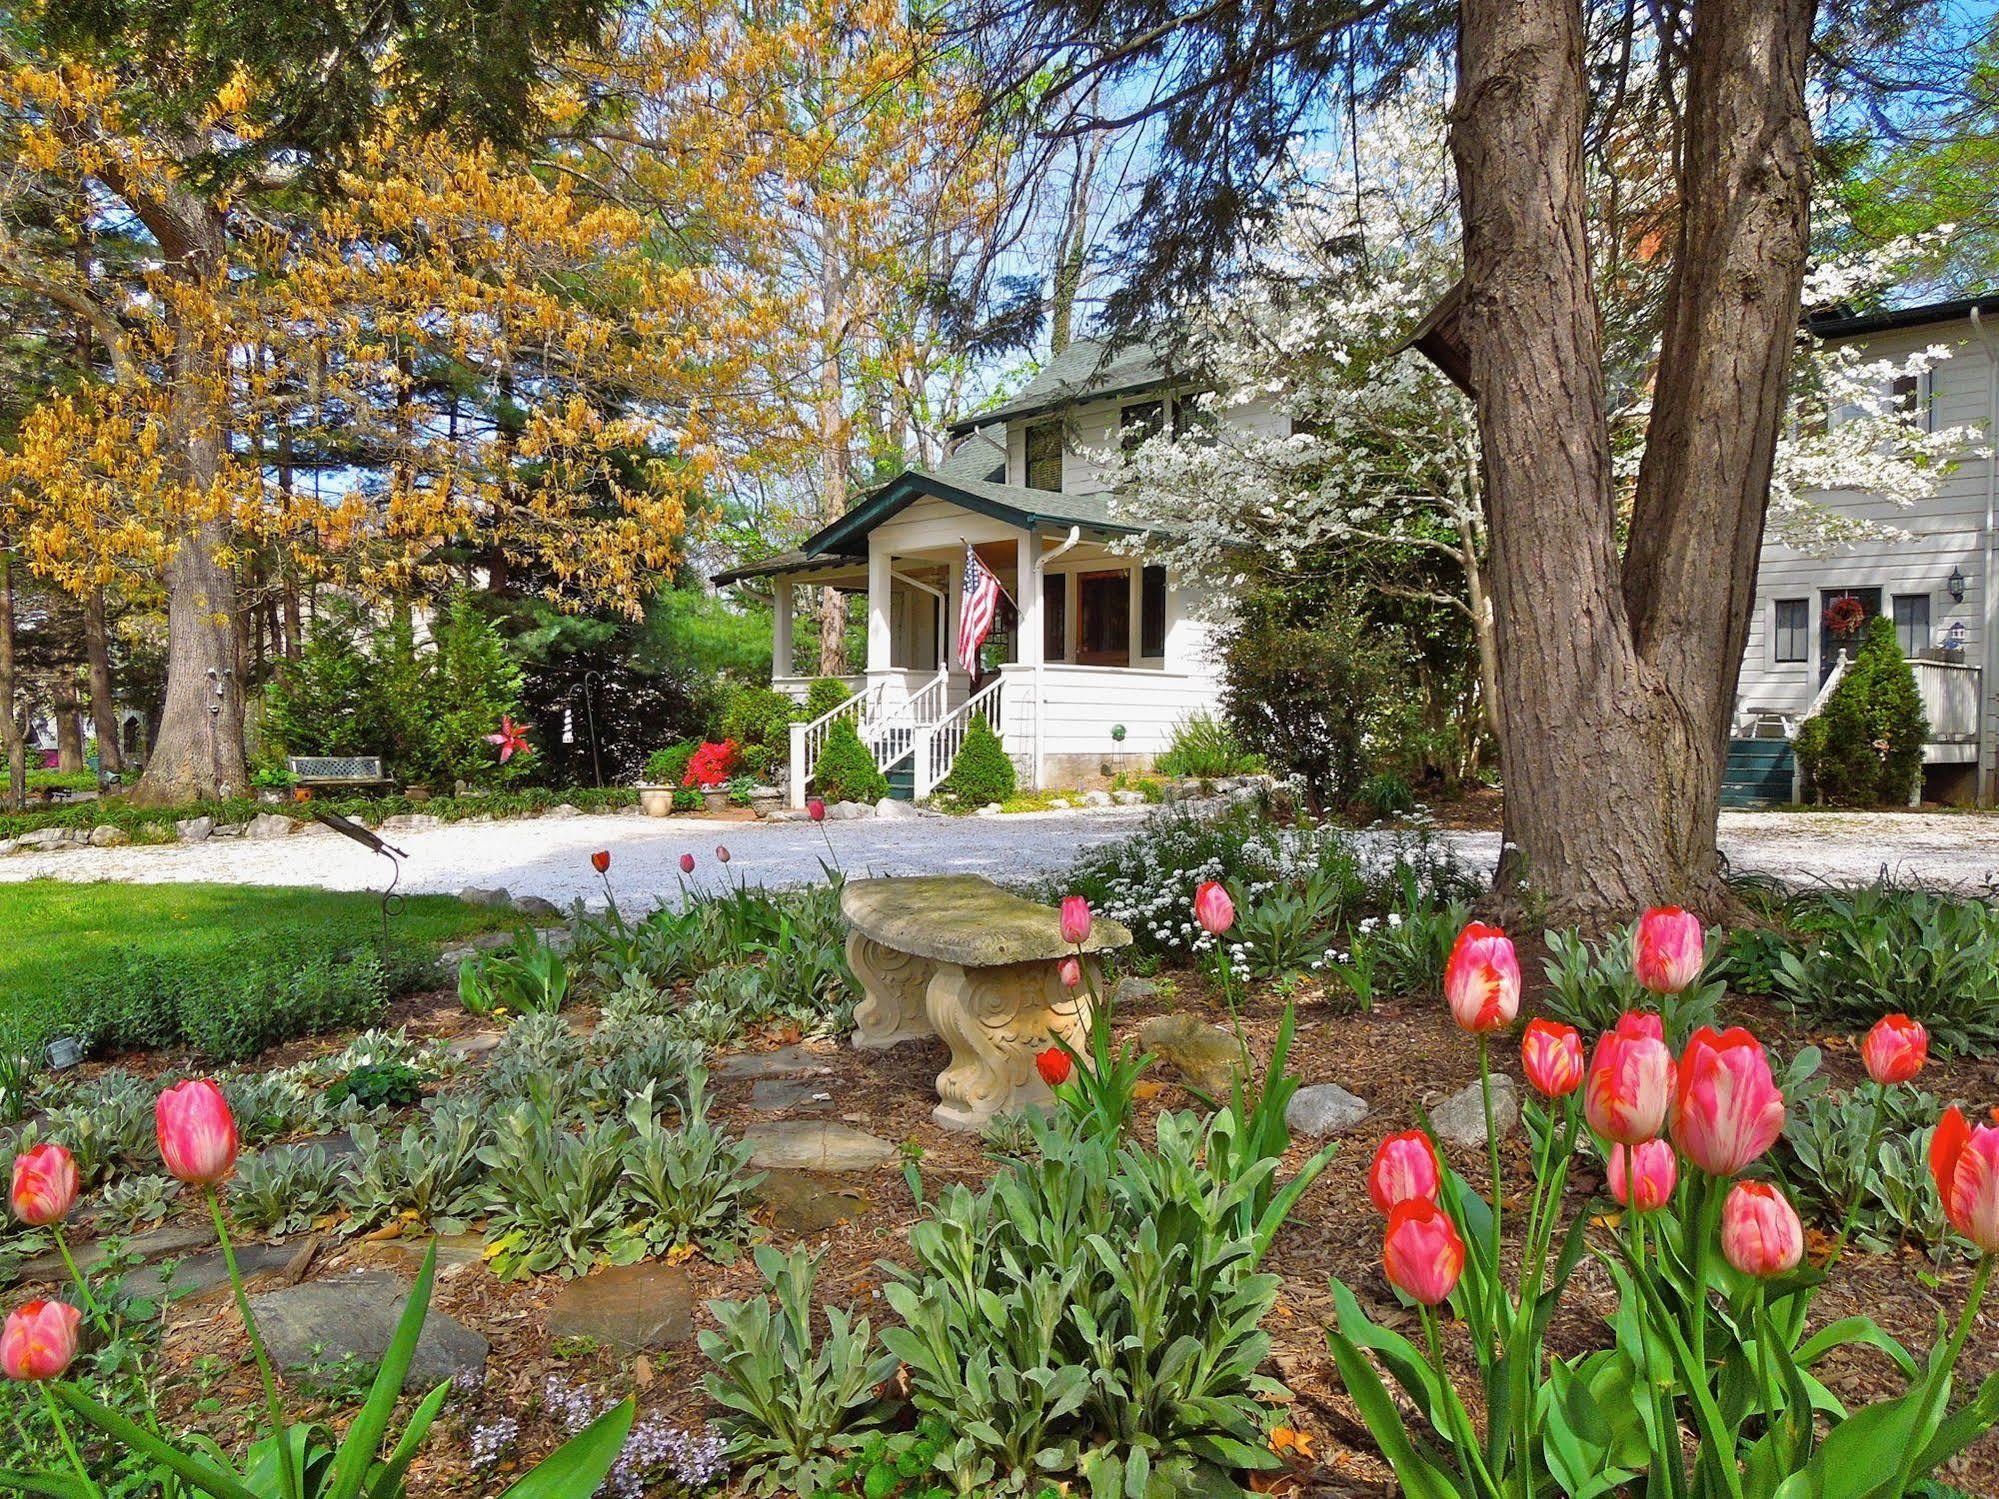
(1933, 582)
(1096, 654)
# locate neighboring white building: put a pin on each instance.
(1100, 641)
(1931, 582)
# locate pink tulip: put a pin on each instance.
(1642, 1177)
(1422, 1252)
(1895, 1049)
(1405, 1169)
(687, 863)
(1552, 1056)
(1760, 1231)
(1072, 973)
(1213, 908)
(1964, 1160)
(1727, 1109)
(197, 1133)
(39, 1340)
(44, 1187)
(816, 810)
(722, 852)
(1666, 950)
(1076, 920)
(1482, 980)
(1630, 1081)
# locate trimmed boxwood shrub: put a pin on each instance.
(982, 772)
(1865, 746)
(825, 694)
(846, 772)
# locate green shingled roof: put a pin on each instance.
(1087, 370)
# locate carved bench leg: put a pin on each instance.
(996, 1021)
(894, 982)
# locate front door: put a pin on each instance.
(1833, 641)
(1103, 618)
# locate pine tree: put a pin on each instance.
(982, 771)
(846, 772)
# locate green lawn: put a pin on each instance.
(53, 928)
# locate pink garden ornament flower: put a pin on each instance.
(1895, 1049)
(511, 738)
(197, 1133)
(1551, 1054)
(1213, 908)
(39, 1340)
(1482, 979)
(44, 1186)
(1630, 1081)
(1760, 1231)
(1642, 1177)
(1666, 949)
(1076, 920)
(1405, 1169)
(1727, 1108)
(1421, 1252)
(1964, 1160)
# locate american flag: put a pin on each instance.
(977, 605)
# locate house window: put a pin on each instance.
(1136, 423)
(1911, 396)
(1190, 420)
(1152, 613)
(1793, 630)
(1103, 618)
(1912, 622)
(1044, 456)
(1055, 616)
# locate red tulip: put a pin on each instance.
(1630, 1081)
(39, 1340)
(1666, 953)
(1482, 980)
(816, 810)
(1054, 1066)
(722, 852)
(1895, 1049)
(1642, 1177)
(1964, 1160)
(1405, 1169)
(1727, 1108)
(44, 1187)
(1213, 908)
(601, 861)
(687, 863)
(1552, 1055)
(1422, 1252)
(197, 1133)
(1760, 1231)
(1072, 973)
(1076, 920)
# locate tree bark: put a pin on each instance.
(1067, 282)
(69, 721)
(103, 708)
(1614, 695)
(12, 740)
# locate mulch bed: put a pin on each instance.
(1401, 1056)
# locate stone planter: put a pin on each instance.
(656, 801)
(715, 801)
(416, 793)
(764, 801)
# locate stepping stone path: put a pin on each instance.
(1325, 1109)
(145, 1248)
(628, 1307)
(454, 1251)
(801, 1203)
(1460, 1119)
(810, 1145)
(1205, 1055)
(775, 1094)
(464, 1048)
(326, 1321)
(783, 1062)
(200, 1274)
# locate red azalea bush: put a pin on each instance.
(711, 765)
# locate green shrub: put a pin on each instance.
(1204, 746)
(668, 767)
(1865, 746)
(759, 717)
(824, 695)
(381, 1085)
(846, 772)
(983, 771)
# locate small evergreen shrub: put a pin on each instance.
(1865, 746)
(982, 771)
(668, 767)
(825, 694)
(846, 772)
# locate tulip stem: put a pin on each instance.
(1492, 1147)
(82, 1288)
(68, 1446)
(1454, 1411)
(1937, 1386)
(276, 1407)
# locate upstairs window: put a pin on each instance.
(1138, 422)
(1044, 456)
(1190, 419)
(1792, 632)
(1911, 396)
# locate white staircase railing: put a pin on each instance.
(892, 738)
(808, 739)
(1832, 680)
(937, 748)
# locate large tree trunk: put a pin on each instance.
(12, 740)
(1613, 702)
(103, 710)
(69, 721)
(198, 753)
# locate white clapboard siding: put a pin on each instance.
(1091, 427)
(1081, 705)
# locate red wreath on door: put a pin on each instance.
(1845, 615)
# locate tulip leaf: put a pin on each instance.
(1855, 1331)
(1419, 1477)
(578, 1466)
(388, 1480)
(210, 1481)
(364, 1437)
(45, 1485)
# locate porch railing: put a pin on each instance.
(1950, 691)
(939, 747)
(808, 739)
(893, 736)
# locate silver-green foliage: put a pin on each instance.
(1590, 985)
(1826, 1136)
(796, 1402)
(136, 1202)
(429, 1169)
(283, 1189)
(269, 1105)
(107, 1126)
(687, 1185)
(554, 1195)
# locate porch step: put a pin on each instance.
(1758, 773)
(901, 778)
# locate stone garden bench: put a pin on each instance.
(956, 956)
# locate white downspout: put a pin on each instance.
(1041, 657)
(1989, 600)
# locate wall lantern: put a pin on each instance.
(1955, 585)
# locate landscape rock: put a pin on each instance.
(144, 1249)
(475, 1045)
(44, 838)
(1059, 804)
(535, 905)
(800, 1203)
(849, 811)
(1132, 988)
(894, 810)
(269, 825)
(773, 1094)
(411, 822)
(199, 1274)
(8, 845)
(812, 1145)
(1128, 798)
(1205, 1055)
(563, 810)
(454, 1252)
(108, 836)
(194, 829)
(783, 1062)
(1096, 799)
(490, 900)
(1460, 1119)
(1324, 1109)
(627, 1307)
(324, 1322)
(228, 830)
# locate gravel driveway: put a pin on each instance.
(549, 857)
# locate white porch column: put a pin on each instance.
(954, 590)
(1027, 648)
(880, 639)
(781, 660)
